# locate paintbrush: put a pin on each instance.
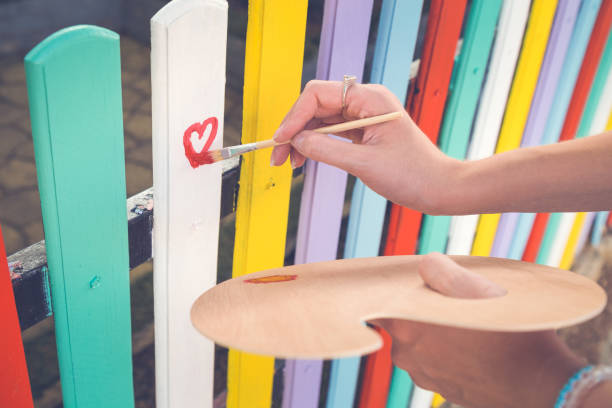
(214, 156)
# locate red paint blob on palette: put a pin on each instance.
(202, 157)
(272, 279)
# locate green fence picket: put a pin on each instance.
(74, 90)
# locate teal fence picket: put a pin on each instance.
(74, 90)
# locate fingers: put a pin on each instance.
(297, 159)
(321, 102)
(323, 99)
(280, 154)
(442, 274)
(319, 99)
(335, 152)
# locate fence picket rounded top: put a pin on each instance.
(67, 38)
(178, 8)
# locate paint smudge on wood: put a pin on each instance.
(272, 279)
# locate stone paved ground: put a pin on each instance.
(19, 204)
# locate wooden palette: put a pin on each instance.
(317, 310)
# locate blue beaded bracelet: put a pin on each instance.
(569, 385)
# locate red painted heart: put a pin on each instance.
(202, 157)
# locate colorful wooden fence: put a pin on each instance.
(467, 90)
(552, 237)
(488, 119)
(425, 104)
(517, 109)
(513, 225)
(543, 231)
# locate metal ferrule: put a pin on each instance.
(235, 150)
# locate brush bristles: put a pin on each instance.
(216, 155)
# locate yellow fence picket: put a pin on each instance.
(273, 70)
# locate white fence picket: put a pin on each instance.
(188, 43)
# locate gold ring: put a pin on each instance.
(346, 84)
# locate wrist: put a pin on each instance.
(443, 193)
(557, 368)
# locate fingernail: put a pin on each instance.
(293, 164)
(272, 160)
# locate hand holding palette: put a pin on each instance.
(317, 310)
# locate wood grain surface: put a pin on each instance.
(317, 310)
(272, 73)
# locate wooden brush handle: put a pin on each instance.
(269, 143)
(337, 128)
(359, 123)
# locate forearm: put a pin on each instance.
(568, 176)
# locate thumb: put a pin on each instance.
(444, 275)
(331, 150)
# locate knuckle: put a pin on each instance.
(377, 88)
(380, 90)
(309, 146)
(312, 85)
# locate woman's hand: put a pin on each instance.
(478, 368)
(398, 161)
(395, 159)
